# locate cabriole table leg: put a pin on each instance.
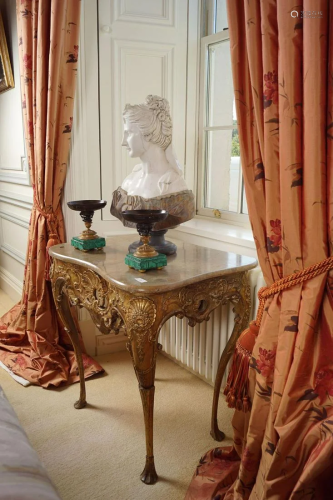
(146, 378)
(226, 355)
(64, 311)
(148, 475)
(242, 314)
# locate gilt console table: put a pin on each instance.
(195, 281)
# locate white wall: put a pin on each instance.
(129, 49)
(15, 192)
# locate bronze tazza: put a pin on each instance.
(88, 239)
(180, 207)
(87, 208)
(198, 281)
(145, 221)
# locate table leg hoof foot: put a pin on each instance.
(80, 404)
(217, 434)
(149, 475)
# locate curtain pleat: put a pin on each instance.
(283, 81)
(32, 342)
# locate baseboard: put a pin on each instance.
(107, 344)
(95, 343)
(10, 285)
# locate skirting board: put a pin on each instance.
(10, 285)
(107, 344)
(96, 343)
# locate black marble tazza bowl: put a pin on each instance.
(144, 216)
(86, 205)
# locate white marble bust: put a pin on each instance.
(148, 136)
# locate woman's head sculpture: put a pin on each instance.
(148, 135)
(157, 182)
(153, 120)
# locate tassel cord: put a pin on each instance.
(237, 387)
(53, 233)
(51, 221)
(289, 281)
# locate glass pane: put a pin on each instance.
(221, 15)
(220, 91)
(222, 170)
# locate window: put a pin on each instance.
(220, 182)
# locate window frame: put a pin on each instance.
(215, 213)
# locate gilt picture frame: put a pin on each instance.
(6, 74)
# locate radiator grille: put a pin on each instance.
(199, 348)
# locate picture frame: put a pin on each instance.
(6, 74)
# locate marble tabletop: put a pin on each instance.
(191, 264)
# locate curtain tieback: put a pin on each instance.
(237, 388)
(51, 221)
(53, 235)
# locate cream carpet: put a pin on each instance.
(98, 453)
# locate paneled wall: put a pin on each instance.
(15, 191)
(129, 49)
(142, 50)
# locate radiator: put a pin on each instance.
(199, 348)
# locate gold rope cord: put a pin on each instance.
(289, 281)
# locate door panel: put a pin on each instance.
(142, 50)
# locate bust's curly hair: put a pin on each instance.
(153, 118)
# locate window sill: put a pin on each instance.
(216, 234)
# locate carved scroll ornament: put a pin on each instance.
(114, 310)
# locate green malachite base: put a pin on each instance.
(86, 245)
(145, 263)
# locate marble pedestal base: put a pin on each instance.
(86, 245)
(143, 264)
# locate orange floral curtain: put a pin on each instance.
(282, 61)
(32, 343)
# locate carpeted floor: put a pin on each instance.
(98, 453)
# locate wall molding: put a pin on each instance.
(12, 252)
(10, 284)
(167, 18)
(15, 218)
(16, 176)
(17, 199)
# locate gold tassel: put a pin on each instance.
(237, 388)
